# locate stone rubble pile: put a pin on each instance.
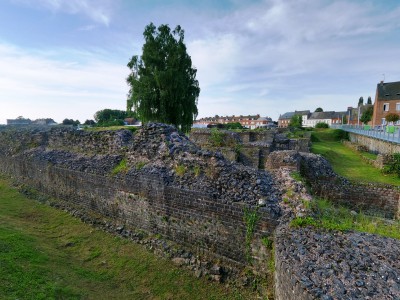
(341, 265)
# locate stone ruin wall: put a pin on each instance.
(196, 212)
(251, 148)
(373, 144)
(203, 213)
(373, 198)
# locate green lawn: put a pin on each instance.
(345, 161)
(47, 254)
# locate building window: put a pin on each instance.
(397, 106)
(386, 107)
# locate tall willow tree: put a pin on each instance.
(163, 85)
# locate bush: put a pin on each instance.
(340, 134)
(111, 123)
(394, 166)
(321, 125)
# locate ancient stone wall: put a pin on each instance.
(374, 145)
(201, 209)
(250, 148)
(378, 199)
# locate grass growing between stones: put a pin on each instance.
(47, 254)
(331, 217)
(345, 161)
(122, 167)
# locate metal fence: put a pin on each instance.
(386, 133)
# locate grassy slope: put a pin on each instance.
(347, 162)
(47, 254)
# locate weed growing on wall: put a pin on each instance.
(180, 170)
(267, 242)
(196, 170)
(122, 167)
(217, 138)
(250, 218)
(140, 165)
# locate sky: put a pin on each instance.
(67, 58)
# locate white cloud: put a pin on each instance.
(38, 86)
(97, 10)
(282, 54)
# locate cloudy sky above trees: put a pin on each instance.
(67, 58)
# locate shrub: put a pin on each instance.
(394, 166)
(321, 125)
(217, 137)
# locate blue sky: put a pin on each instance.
(67, 58)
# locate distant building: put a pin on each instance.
(250, 121)
(284, 120)
(22, 121)
(387, 100)
(328, 117)
(19, 121)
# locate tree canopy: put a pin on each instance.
(392, 117)
(319, 109)
(296, 121)
(369, 101)
(367, 115)
(163, 85)
(360, 101)
(71, 122)
(110, 116)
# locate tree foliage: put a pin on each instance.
(71, 122)
(319, 109)
(367, 115)
(369, 101)
(392, 117)
(360, 101)
(107, 115)
(296, 121)
(163, 85)
(321, 125)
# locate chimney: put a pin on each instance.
(381, 82)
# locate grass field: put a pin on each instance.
(47, 254)
(345, 161)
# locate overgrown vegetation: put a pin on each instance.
(345, 161)
(140, 165)
(394, 166)
(122, 167)
(180, 170)
(47, 254)
(250, 218)
(217, 137)
(328, 216)
(321, 125)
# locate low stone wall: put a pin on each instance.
(250, 148)
(373, 198)
(374, 145)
